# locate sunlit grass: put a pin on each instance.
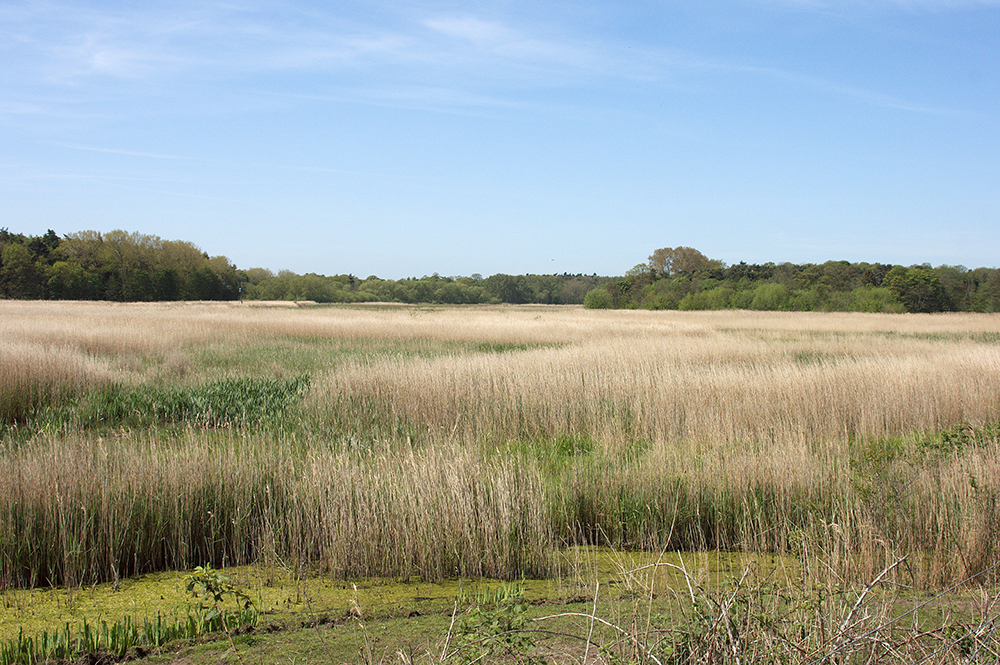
(434, 442)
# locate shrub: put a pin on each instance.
(598, 298)
(770, 297)
(868, 298)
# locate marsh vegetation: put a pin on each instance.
(437, 443)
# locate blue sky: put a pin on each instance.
(406, 138)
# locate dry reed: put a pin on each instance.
(433, 441)
(74, 511)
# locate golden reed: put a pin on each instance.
(435, 438)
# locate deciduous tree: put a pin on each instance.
(668, 261)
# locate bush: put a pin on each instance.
(715, 298)
(770, 297)
(871, 299)
(598, 298)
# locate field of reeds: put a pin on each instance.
(415, 442)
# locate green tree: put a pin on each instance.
(918, 288)
(20, 277)
(66, 280)
(770, 297)
(574, 290)
(506, 288)
(51, 240)
(868, 298)
(85, 248)
(166, 284)
(987, 296)
(128, 256)
(668, 261)
(598, 298)
(959, 287)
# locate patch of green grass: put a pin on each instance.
(986, 337)
(505, 347)
(235, 402)
(554, 454)
(958, 438)
(620, 608)
(809, 357)
(317, 617)
(274, 357)
(296, 355)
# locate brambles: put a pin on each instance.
(756, 618)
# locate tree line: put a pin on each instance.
(124, 266)
(564, 289)
(130, 266)
(117, 265)
(683, 278)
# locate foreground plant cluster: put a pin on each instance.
(435, 443)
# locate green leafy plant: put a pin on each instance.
(213, 589)
(495, 628)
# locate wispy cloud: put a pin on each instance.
(502, 41)
(88, 51)
(115, 151)
(416, 57)
(483, 33)
(886, 5)
(426, 97)
(845, 91)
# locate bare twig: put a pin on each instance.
(903, 615)
(447, 640)
(871, 585)
(593, 618)
(590, 631)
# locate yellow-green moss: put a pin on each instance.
(287, 599)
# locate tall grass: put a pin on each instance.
(887, 499)
(77, 511)
(33, 377)
(712, 388)
(442, 441)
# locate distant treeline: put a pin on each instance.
(683, 278)
(562, 289)
(124, 266)
(111, 266)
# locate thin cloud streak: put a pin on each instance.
(723, 115)
(884, 5)
(115, 151)
(870, 97)
(437, 50)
